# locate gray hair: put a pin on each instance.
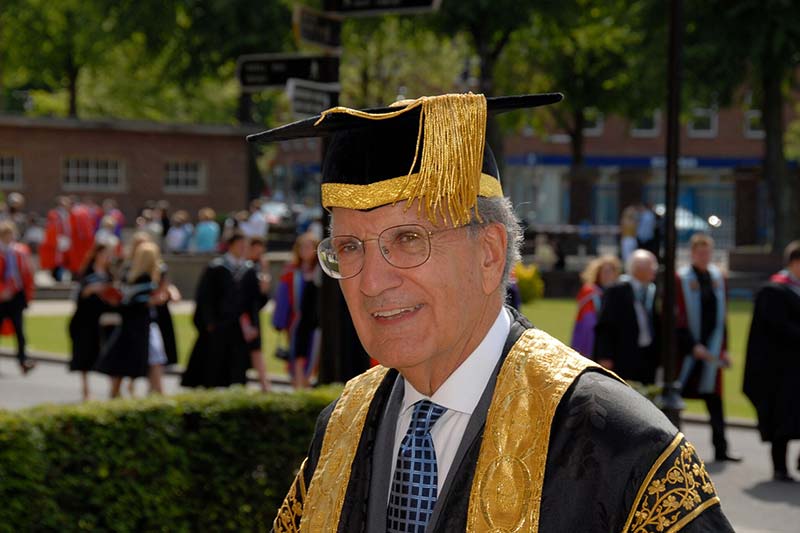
(498, 210)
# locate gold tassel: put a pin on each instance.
(452, 129)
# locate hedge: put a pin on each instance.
(204, 461)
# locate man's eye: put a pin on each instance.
(408, 237)
(346, 248)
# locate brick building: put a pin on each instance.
(191, 166)
(720, 173)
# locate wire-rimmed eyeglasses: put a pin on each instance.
(404, 246)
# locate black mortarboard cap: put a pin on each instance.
(431, 148)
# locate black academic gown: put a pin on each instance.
(220, 357)
(604, 440)
(617, 334)
(84, 326)
(125, 353)
(253, 300)
(163, 318)
(772, 368)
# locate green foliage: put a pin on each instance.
(205, 461)
(147, 59)
(529, 281)
(384, 57)
(587, 50)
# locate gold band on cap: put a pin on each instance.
(389, 191)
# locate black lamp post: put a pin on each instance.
(672, 403)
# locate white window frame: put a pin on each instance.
(93, 174)
(15, 164)
(599, 126)
(648, 133)
(749, 132)
(199, 188)
(713, 117)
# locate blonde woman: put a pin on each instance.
(599, 274)
(132, 350)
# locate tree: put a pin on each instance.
(753, 42)
(588, 50)
(53, 43)
(489, 26)
(386, 57)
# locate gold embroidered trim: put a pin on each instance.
(507, 490)
(291, 510)
(450, 144)
(328, 486)
(387, 192)
(673, 500)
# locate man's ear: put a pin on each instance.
(494, 240)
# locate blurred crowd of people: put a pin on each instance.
(618, 324)
(122, 325)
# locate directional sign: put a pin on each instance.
(261, 71)
(310, 98)
(377, 7)
(315, 27)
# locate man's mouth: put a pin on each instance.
(391, 314)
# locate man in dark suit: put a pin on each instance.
(626, 334)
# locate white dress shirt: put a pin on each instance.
(459, 394)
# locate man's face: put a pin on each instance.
(701, 256)
(645, 270)
(421, 315)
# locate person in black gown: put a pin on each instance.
(128, 348)
(93, 298)
(220, 356)
(772, 368)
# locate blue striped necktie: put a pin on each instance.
(414, 487)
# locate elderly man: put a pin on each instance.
(772, 370)
(626, 334)
(475, 421)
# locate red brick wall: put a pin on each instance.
(42, 150)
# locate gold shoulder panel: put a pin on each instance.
(290, 512)
(323, 506)
(507, 489)
(675, 491)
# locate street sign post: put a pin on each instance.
(379, 7)
(310, 98)
(262, 71)
(317, 28)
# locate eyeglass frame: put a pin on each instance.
(362, 242)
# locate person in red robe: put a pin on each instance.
(81, 225)
(16, 287)
(57, 239)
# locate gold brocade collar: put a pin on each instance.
(507, 488)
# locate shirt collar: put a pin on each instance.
(464, 388)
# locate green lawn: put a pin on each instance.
(49, 333)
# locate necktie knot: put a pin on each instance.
(424, 416)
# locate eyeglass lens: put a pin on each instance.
(404, 246)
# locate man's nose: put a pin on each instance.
(377, 275)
